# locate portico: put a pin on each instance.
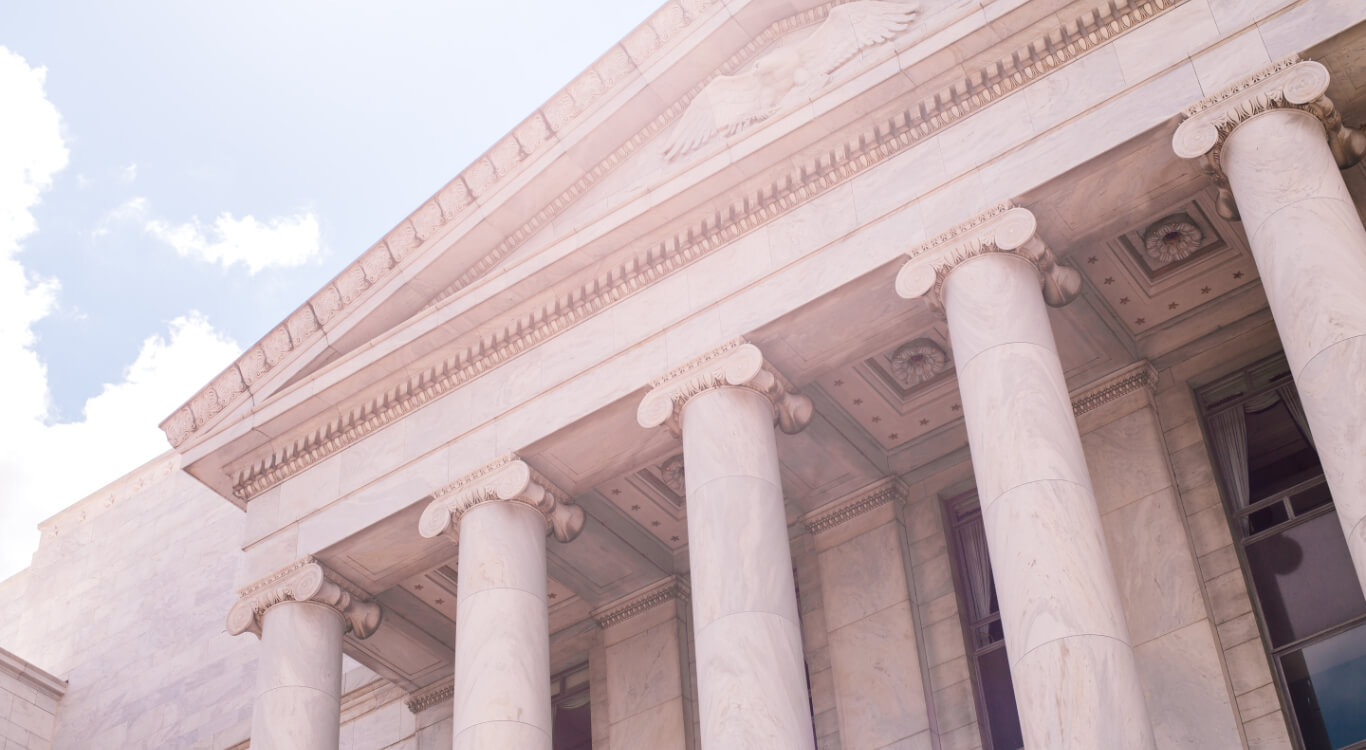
(851, 423)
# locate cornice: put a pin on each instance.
(867, 499)
(704, 233)
(1114, 386)
(509, 479)
(670, 589)
(430, 696)
(1004, 228)
(736, 363)
(305, 580)
(1286, 84)
(31, 676)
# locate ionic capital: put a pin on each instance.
(509, 479)
(304, 581)
(1288, 84)
(738, 364)
(1004, 228)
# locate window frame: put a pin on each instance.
(1242, 539)
(953, 520)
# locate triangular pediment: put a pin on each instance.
(664, 102)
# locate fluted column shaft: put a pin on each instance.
(298, 678)
(1071, 660)
(1310, 248)
(751, 676)
(502, 638)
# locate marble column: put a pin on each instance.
(500, 516)
(300, 614)
(751, 675)
(1276, 143)
(1071, 658)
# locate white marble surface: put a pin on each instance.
(750, 675)
(1310, 247)
(1076, 682)
(298, 683)
(502, 639)
(645, 688)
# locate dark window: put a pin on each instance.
(571, 725)
(981, 615)
(1303, 585)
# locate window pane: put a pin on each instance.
(572, 727)
(1327, 682)
(999, 695)
(1310, 499)
(1305, 579)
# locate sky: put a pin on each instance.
(176, 177)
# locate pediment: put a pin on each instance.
(693, 79)
(503, 258)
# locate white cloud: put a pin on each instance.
(45, 467)
(284, 241)
(129, 173)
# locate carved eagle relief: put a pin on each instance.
(786, 75)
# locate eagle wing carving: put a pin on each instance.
(730, 104)
(727, 104)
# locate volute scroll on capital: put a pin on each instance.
(737, 363)
(508, 479)
(1004, 228)
(304, 581)
(1287, 84)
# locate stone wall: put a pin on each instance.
(130, 588)
(28, 704)
(1223, 585)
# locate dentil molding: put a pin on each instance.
(856, 504)
(1287, 84)
(667, 590)
(656, 259)
(1116, 385)
(737, 363)
(305, 580)
(1004, 228)
(508, 479)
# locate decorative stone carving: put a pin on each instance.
(667, 590)
(875, 496)
(1004, 228)
(430, 696)
(917, 362)
(304, 581)
(787, 75)
(737, 363)
(1287, 84)
(671, 474)
(508, 479)
(1172, 239)
(1116, 385)
(883, 140)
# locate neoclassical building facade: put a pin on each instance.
(975, 374)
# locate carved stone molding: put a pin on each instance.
(430, 696)
(738, 364)
(1114, 386)
(1287, 84)
(669, 589)
(508, 479)
(1004, 228)
(871, 497)
(709, 230)
(304, 581)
